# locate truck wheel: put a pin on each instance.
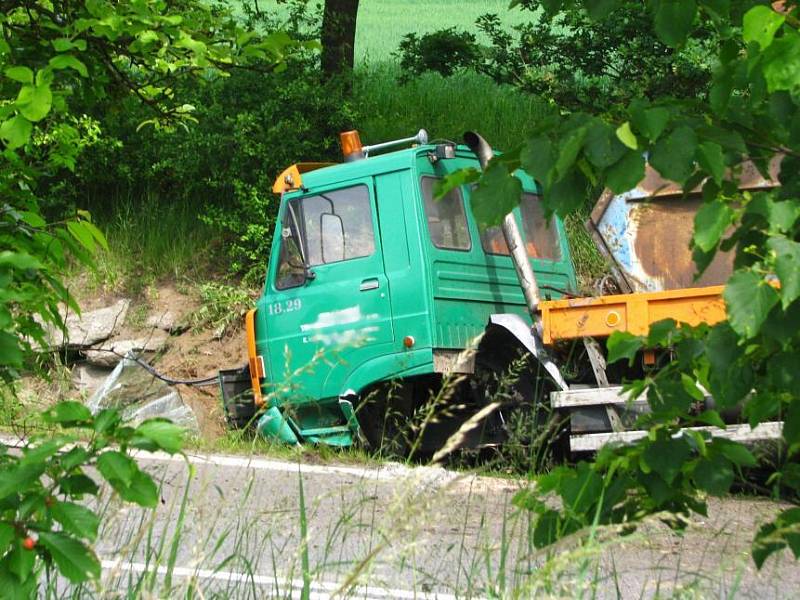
(383, 417)
(530, 431)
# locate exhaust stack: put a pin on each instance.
(513, 238)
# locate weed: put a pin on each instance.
(221, 306)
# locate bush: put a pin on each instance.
(250, 124)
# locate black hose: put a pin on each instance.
(150, 369)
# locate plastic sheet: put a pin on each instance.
(140, 396)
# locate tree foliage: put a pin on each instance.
(570, 58)
(44, 522)
(60, 61)
(750, 113)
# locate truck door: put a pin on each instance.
(331, 321)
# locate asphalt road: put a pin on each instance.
(396, 532)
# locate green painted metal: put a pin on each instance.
(330, 338)
(272, 424)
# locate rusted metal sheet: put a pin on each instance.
(646, 232)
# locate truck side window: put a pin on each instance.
(447, 220)
(493, 242)
(541, 236)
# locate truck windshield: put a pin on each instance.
(447, 220)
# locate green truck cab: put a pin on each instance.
(375, 285)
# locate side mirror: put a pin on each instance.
(332, 233)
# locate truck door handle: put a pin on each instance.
(369, 284)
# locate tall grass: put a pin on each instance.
(446, 107)
(151, 238)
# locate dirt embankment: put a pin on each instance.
(161, 327)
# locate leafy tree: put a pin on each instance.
(751, 112)
(44, 523)
(59, 61)
(571, 59)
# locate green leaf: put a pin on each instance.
(81, 233)
(116, 467)
(444, 186)
(164, 434)
(710, 223)
(538, 159)
(673, 20)
(34, 102)
(713, 475)
(546, 531)
(566, 194)
(16, 479)
(67, 61)
(600, 9)
(496, 195)
(142, 490)
(760, 25)
(7, 534)
(711, 158)
(76, 519)
(626, 136)
(106, 419)
(781, 63)
(568, 150)
(78, 485)
(10, 350)
(761, 407)
(661, 333)
(21, 74)
(649, 121)
(602, 148)
(626, 173)
(622, 344)
(735, 452)
(666, 457)
(791, 426)
(74, 560)
(19, 260)
(673, 156)
(16, 131)
(68, 413)
(787, 268)
(96, 234)
(765, 544)
(748, 299)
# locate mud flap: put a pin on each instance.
(532, 341)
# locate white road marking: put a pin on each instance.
(320, 590)
(391, 472)
(262, 464)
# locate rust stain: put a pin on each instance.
(662, 244)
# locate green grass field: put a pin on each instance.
(383, 23)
